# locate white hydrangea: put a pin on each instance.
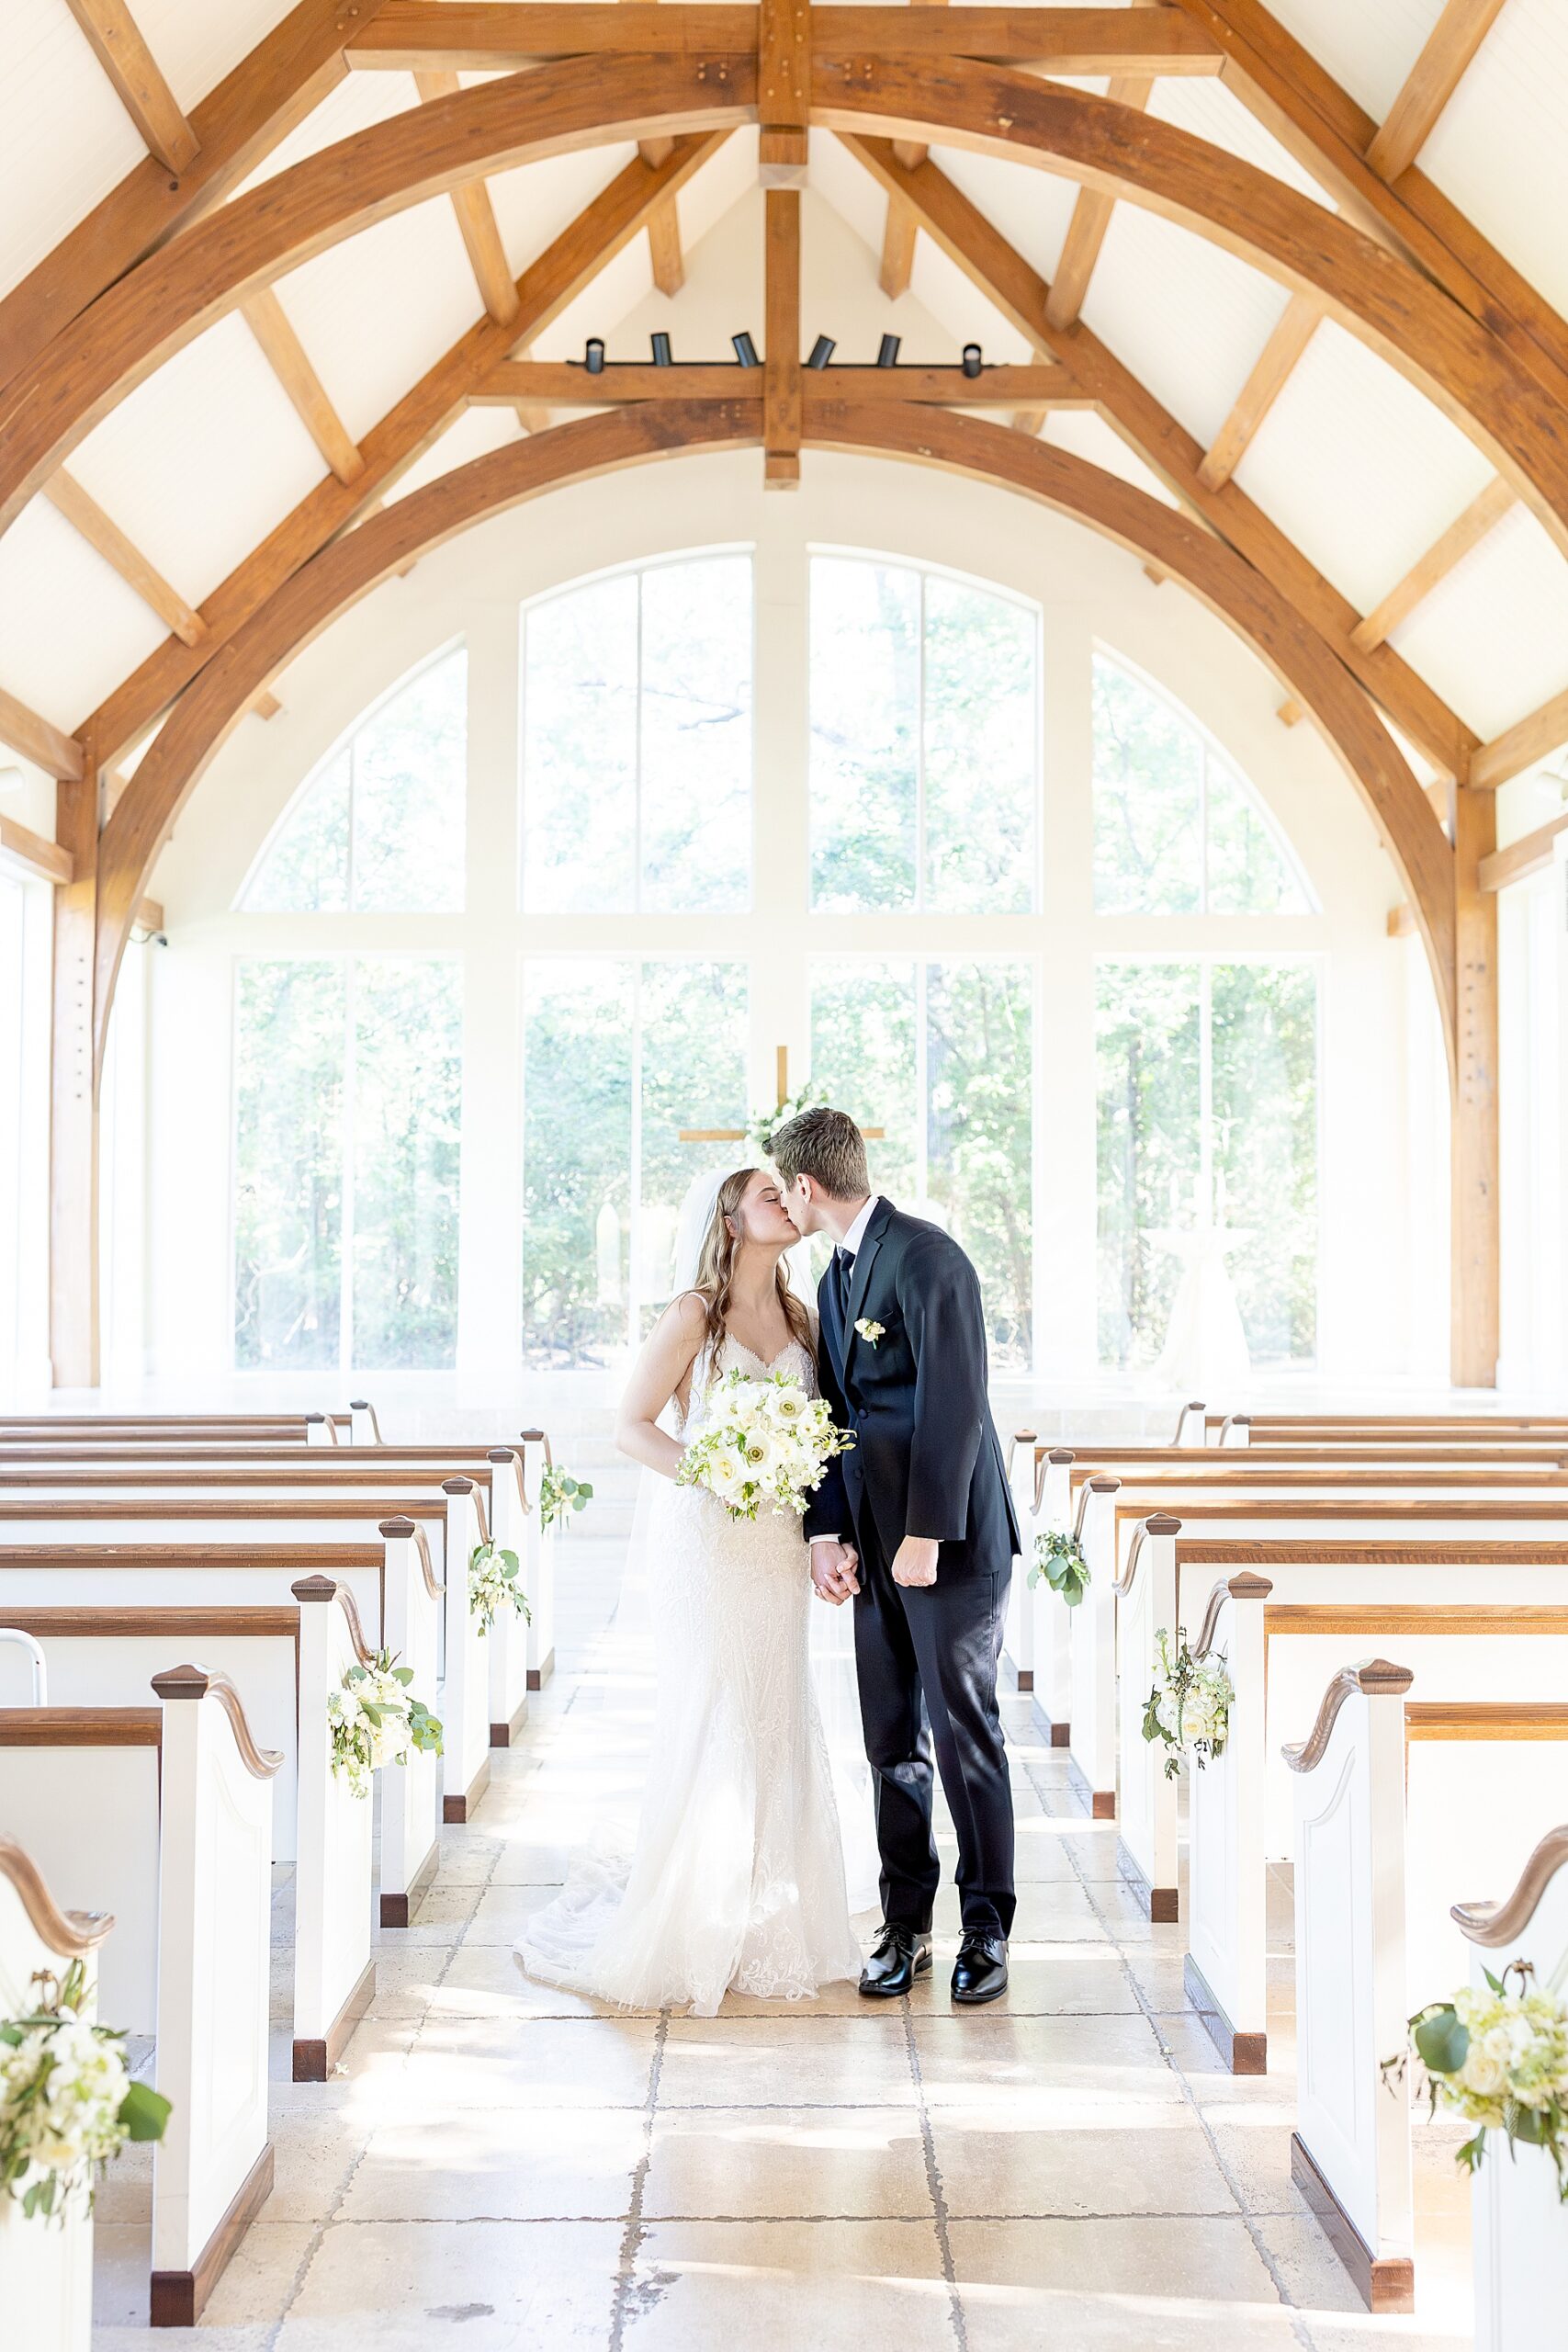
(765, 1446)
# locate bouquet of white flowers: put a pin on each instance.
(767, 1442)
(494, 1583)
(375, 1719)
(1189, 1705)
(67, 2102)
(1499, 2059)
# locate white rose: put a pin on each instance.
(1483, 2073)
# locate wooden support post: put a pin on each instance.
(781, 374)
(73, 1107)
(1473, 1155)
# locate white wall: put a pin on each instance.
(1087, 590)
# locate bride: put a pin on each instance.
(738, 1879)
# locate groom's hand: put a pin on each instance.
(833, 1566)
(915, 1560)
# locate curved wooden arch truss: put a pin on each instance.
(157, 264)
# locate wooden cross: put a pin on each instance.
(739, 1135)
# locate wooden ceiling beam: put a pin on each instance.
(475, 220)
(1092, 208)
(782, 399)
(1529, 738)
(44, 858)
(603, 228)
(47, 747)
(664, 256)
(1466, 531)
(65, 494)
(1431, 83)
(1294, 329)
(566, 383)
(898, 264)
(281, 81)
(408, 35)
(1002, 275)
(286, 356)
(1531, 854)
(1328, 133)
(117, 45)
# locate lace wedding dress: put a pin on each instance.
(738, 1879)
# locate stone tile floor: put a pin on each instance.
(497, 2166)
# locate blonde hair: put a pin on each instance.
(715, 1265)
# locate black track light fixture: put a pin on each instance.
(972, 359)
(822, 350)
(661, 351)
(745, 350)
(887, 356)
(594, 354)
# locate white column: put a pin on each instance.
(781, 1012)
(491, 1215)
(1065, 1184)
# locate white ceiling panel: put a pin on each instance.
(1204, 105)
(69, 628)
(1500, 149)
(197, 44)
(65, 139)
(198, 462)
(1031, 208)
(1492, 637)
(1084, 435)
(357, 103)
(534, 203)
(1186, 317)
(1368, 45)
(473, 434)
(1358, 468)
(374, 311)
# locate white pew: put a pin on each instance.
(364, 1427)
(1019, 1629)
(166, 1816)
(465, 1692)
(538, 1563)
(47, 2268)
(1283, 1641)
(1520, 2237)
(1157, 1588)
(1091, 1659)
(1397, 1802)
(334, 1974)
(511, 1512)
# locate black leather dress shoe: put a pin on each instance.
(900, 1956)
(980, 1972)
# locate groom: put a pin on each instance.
(917, 1523)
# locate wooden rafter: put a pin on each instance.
(1466, 531)
(900, 230)
(665, 257)
(46, 859)
(603, 228)
(1294, 329)
(1092, 208)
(1529, 738)
(266, 704)
(1530, 854)
(47, 747)
(1452, 359)
(286, 356)
(1432, 80)
(1003, 276)
(140, 87)
(475, 220)
(781, 401)
(405, 35)
(532, 384)
(282, 80)
(1328, 133)
(102, 533)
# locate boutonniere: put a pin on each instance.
(870, 1332)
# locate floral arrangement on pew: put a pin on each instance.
(492, 1585)
(1500, 2060)
(67, 2101)
(1059, 1559)
(767, 1444)
(1190, 1706)
(375, 1719)
(560, 1495)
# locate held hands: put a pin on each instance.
(915, 1560)
(833, 1566)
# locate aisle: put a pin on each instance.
(497, 2167)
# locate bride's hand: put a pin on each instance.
(833, 1566)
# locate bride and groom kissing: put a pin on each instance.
(737, 1881)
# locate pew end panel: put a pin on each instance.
(1145, 1597)
(1091, 1662)
(1351, 2152)
(465, 1694)
(334, 1974)
(411, 1796)
(539, 1562)
(1521, 2245)
(48, 2271)
(510, 1514)
(1226, 1966)
(79, 1791)
(212, 2170)
(364, 1427)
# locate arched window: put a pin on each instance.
(379, 827)
(924, 742)
(636, 742)
(1177, 831)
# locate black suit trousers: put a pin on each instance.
(926, 1662)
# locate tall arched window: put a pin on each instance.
(637, 741)
(1177, 831)
(378, 829)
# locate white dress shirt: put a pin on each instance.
(856, 1234)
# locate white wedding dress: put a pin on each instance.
(738, 1879)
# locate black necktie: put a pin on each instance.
(843, 1261)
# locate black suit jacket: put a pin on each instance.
(927, 1460)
